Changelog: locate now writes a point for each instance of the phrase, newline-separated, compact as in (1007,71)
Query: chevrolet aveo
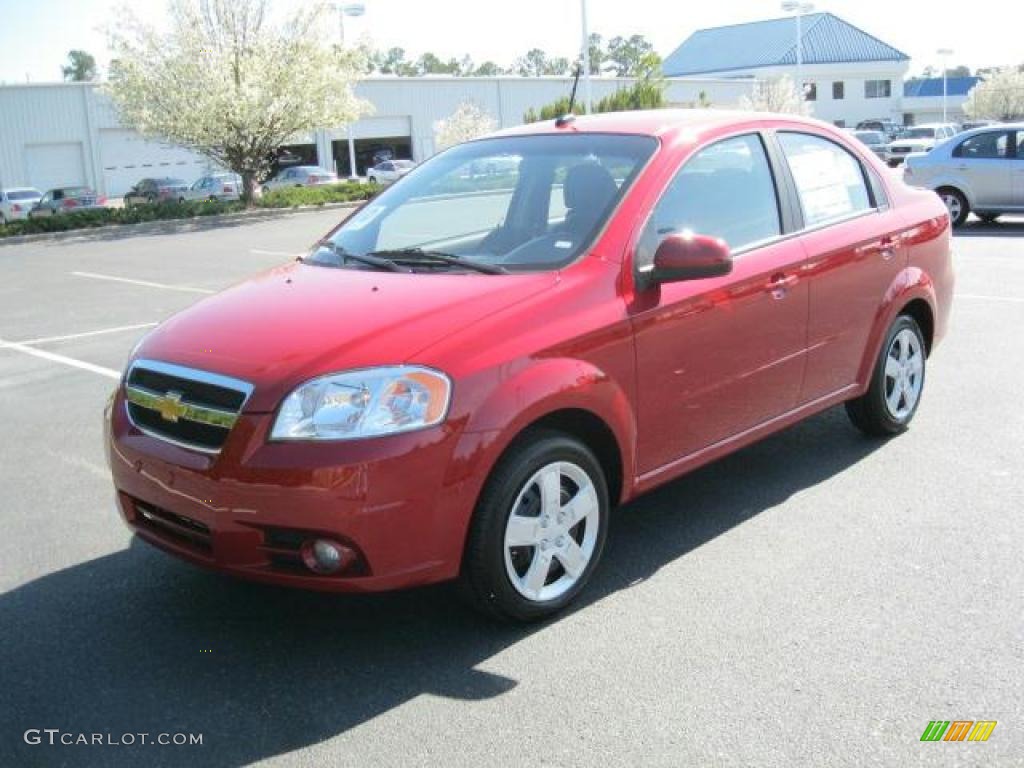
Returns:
(466,375)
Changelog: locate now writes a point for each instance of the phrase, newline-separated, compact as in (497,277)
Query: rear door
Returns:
(852,240)
(983,160)
(719,355)
(1017,170)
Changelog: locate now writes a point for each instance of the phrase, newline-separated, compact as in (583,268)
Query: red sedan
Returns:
(464,377)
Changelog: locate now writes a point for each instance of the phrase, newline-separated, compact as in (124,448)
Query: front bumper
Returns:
(400,502)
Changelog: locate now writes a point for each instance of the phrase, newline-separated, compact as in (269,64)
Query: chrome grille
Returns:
(185,406)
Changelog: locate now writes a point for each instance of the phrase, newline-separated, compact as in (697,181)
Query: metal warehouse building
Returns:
(68,133)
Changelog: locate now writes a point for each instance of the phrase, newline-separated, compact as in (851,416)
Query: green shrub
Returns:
(343,192)
(282,198)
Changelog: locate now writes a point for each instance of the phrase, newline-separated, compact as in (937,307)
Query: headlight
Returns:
(365,403)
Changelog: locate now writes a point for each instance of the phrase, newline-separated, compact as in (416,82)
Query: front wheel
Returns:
(897,382)
(539,529)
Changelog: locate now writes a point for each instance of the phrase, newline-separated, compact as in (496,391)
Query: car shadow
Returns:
(975,227)
(136,642)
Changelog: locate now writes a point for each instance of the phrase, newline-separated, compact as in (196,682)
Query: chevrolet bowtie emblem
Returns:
(170,407)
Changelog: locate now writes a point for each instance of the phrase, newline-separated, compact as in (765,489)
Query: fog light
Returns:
(324,556)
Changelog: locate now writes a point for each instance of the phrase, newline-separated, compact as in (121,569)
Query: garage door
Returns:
(55,165)
(126,158)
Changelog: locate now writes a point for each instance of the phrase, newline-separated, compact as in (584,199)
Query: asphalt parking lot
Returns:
(816,599)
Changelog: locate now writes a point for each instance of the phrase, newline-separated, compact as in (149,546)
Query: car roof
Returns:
(659,122)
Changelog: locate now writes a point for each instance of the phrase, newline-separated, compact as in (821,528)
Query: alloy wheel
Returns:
(904,369)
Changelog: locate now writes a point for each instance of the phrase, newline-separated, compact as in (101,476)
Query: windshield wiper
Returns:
(369,259)
(419,254)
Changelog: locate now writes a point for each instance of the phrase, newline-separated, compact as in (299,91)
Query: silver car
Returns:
(389,171)
(216,186)
(876,141)
(16,202)
(980,170)
(301,176)
(920,138)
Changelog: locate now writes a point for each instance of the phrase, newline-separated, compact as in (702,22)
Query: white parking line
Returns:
(68,337)
(147,283)
(980,297)
(54,358)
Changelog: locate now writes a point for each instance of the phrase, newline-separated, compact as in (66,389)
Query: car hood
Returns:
(299,321)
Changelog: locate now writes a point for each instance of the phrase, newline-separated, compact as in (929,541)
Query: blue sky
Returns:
(35,35)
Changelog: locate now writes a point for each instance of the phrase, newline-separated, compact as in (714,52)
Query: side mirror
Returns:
(687,257)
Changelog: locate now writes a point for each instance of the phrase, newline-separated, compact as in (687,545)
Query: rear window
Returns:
(23,194)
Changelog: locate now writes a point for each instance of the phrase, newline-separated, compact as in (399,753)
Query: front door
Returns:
(719,355)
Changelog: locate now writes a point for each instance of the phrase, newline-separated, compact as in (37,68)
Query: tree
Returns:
(488,69)
(630,57)
(226,83)
(776,94)
(597,52)
(645,93)
(467,122)
(81,67)
(998,97)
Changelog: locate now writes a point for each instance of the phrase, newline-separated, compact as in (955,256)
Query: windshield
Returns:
(919,133)
(507,204)
(869,137)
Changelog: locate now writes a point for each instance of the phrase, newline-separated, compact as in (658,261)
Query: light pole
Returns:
(793,6)
(588,93)
(349,9)
(944,53)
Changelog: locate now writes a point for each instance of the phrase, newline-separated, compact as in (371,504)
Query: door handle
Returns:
(780,284)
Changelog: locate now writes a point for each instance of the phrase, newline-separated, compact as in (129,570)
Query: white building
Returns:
(68,133)
(848,75)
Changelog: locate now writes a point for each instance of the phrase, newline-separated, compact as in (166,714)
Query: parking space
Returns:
(817,598)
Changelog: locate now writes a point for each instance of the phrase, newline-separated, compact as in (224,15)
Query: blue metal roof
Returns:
(932,86)
(827,39)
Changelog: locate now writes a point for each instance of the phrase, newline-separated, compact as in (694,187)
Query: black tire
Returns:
(484,580)
(961,204)
(988,218)
(870,412)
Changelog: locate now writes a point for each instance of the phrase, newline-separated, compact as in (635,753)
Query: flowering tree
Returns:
(467,122)
(228,84)
(998,97)
(776,94)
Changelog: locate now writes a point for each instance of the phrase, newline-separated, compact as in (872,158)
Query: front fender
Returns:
(539,389)
(911,283)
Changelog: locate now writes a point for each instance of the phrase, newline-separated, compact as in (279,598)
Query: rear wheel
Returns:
(956,204)
(539,529)
(896,382)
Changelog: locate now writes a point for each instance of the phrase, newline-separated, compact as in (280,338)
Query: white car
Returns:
(389,171)
(216,186)
(16,202)
(980,170)
(920,138)
(301,176)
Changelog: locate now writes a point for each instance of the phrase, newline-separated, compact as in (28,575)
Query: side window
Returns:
(829,180)
(1020,145)
(982,145)
(725,190)
(58,194)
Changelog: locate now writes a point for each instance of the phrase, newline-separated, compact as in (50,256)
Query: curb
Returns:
(172,225)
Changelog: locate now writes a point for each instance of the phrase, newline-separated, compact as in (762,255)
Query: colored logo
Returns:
(958,730)
(170,406)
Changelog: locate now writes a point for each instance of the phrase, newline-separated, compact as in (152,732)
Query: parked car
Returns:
(980,170)
(890,128)
(15,203)
(215,186)
(970,125)
(67,200)
(150,191)
(301,176)
(389,171)
(429,394)
(875,141)
(920,138)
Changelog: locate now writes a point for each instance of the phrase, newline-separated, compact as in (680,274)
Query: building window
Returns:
(810,92)
(877,89)
(838,90)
